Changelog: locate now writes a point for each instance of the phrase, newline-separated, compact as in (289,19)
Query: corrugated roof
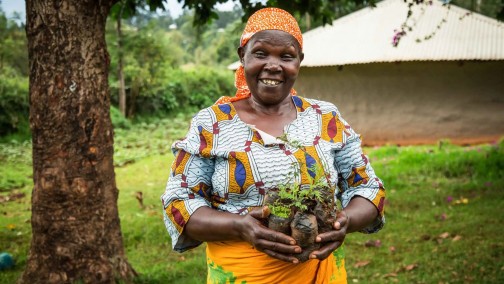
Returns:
(366,36)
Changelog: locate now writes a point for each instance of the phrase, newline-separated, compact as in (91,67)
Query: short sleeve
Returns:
(189,184)
(356,177)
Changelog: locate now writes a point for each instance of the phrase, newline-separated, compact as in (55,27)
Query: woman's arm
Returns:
(207,224)
(361,213)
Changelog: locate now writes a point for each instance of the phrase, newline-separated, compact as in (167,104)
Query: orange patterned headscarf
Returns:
(264,19)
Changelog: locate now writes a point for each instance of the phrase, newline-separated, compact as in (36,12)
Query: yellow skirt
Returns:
(240,263)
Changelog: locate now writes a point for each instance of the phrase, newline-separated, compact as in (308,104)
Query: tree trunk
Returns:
(308,21)
(75,223)
(122,87)
(135,91)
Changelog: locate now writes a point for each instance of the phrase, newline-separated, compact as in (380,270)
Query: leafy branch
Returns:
(410,23)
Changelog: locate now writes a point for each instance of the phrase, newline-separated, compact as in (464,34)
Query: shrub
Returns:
(182,90)
(14,105)
(118,120)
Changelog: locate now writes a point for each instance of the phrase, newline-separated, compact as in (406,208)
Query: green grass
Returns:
(420,183)
(426,190)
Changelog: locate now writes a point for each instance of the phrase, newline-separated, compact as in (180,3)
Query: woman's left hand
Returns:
(333,239)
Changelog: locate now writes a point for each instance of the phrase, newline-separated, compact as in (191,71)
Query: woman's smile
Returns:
(270,82)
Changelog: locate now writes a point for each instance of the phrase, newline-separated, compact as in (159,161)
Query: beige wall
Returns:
(414,102)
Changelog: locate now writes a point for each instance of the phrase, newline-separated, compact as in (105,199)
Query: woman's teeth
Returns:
(270,82)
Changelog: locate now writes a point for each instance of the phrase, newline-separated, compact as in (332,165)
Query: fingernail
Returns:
(318,239)
(292,242)
(313,256)
(297,250)
(295,261)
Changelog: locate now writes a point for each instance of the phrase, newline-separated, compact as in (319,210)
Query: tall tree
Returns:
(75,223)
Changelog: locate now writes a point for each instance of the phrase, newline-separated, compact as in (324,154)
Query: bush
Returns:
(205,86)
(182,90)
(118,120)
(14,105)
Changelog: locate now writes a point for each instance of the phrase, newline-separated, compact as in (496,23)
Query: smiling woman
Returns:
(271,62)
(233,156)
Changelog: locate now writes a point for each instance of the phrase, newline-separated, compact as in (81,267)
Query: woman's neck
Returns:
(284,108)
(269,118)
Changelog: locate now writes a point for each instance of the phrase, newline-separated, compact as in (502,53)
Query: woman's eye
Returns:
(259,54)
(287,57)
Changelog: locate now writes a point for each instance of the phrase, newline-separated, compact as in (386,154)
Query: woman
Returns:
(231,157)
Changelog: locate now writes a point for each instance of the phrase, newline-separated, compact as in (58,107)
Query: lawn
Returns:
(444,212)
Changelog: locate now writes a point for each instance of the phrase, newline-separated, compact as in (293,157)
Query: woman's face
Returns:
(271,61)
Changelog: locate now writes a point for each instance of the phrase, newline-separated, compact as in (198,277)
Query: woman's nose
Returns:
(272,66)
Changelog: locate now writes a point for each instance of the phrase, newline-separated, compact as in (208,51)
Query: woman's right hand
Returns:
(272,243)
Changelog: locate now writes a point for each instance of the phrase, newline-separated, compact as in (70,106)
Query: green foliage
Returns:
(13,52)
(118,120)
(490,8)
(280,210)
(155,82)
(14,105)
(294,195)
(187,90)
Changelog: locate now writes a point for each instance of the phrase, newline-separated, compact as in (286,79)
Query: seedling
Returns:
(303,211)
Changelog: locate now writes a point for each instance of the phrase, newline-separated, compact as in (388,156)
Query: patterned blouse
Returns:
(225,164)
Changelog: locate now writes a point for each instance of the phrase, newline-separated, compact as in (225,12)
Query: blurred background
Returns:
(423,85)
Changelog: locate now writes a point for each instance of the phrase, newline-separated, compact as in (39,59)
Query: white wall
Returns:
(414,102)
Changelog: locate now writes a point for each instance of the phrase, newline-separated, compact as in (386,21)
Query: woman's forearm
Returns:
(361,213)
(207,225)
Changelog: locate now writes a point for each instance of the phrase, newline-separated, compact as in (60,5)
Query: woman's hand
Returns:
(333,239)
(272,243)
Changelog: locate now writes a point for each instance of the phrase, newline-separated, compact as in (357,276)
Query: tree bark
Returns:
(75,222)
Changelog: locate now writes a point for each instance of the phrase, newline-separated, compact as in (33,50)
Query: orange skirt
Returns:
(239,262)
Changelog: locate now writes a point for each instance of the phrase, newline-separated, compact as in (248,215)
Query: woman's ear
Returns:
(301,56)
(241,54)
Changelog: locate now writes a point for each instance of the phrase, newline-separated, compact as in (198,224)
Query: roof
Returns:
(366,36)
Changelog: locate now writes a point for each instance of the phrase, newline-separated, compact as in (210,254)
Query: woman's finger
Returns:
(280,256)
(260,212)
(341,220)
(325,251)
(278,237)
(330,236)
(277,247)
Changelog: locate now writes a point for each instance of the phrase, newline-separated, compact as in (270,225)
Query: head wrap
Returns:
(264,19)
